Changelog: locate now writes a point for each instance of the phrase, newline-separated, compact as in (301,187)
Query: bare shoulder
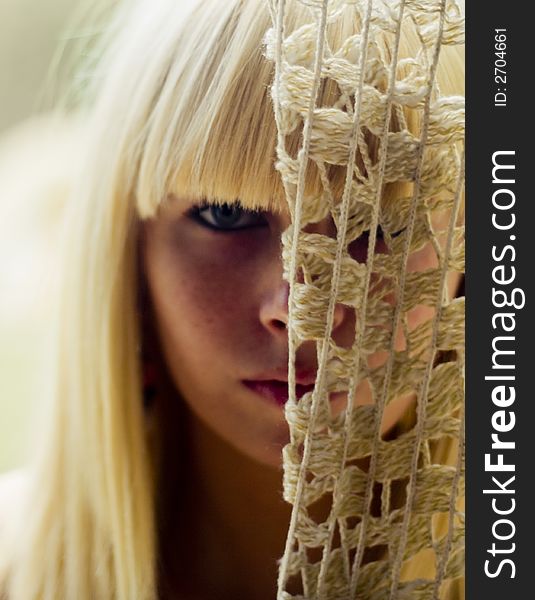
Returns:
(13,485)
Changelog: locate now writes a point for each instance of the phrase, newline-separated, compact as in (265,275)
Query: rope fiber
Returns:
(395,526)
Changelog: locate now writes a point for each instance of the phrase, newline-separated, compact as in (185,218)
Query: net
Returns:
(391,500)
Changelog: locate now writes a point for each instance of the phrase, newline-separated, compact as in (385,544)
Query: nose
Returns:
(274,309)
(274,305)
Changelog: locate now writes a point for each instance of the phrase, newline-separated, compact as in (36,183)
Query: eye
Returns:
(359,247)
(226,217)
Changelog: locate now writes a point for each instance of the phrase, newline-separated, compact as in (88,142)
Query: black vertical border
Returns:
(491,129)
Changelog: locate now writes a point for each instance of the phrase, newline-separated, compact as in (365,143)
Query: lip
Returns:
(302,376)
(276,391)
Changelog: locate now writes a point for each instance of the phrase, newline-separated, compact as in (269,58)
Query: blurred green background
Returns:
(31,31)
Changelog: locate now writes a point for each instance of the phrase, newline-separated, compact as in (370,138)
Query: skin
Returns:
(220,311)
(220,304)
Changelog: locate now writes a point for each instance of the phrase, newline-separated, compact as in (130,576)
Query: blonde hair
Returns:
(182,106)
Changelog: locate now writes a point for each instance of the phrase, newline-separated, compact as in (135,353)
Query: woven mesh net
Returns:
(391,501)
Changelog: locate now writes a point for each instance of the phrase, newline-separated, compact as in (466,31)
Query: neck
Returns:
(236,520)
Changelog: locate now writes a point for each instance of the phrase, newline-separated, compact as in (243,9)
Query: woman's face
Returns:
(215,279)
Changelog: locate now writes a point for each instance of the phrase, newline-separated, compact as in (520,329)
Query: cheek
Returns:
(422,260)
(206,291)
(425,259)
(197,294)
(419,261)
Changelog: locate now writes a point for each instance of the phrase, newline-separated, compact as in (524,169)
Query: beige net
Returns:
(390,524)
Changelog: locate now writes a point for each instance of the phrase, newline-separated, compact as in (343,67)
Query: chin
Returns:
(268,452)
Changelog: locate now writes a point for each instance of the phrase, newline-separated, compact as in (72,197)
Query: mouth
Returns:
(276,391)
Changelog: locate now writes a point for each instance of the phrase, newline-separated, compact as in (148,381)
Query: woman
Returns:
(158,474)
